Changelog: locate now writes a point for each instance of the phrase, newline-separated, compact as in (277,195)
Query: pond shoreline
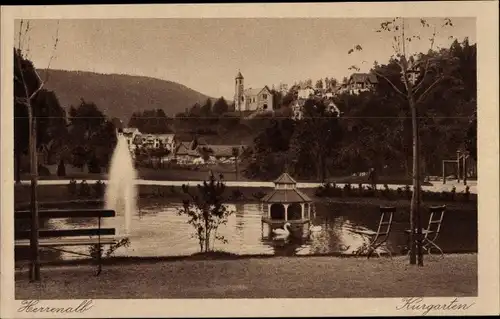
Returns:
(58,194)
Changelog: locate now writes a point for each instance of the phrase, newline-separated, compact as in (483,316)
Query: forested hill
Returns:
(119,95)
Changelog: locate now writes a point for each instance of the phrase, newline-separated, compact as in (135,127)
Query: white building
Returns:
(251,99)
(305,93)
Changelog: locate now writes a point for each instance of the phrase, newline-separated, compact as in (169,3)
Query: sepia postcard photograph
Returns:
(305,159)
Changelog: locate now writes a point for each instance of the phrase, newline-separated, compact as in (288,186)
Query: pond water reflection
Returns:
(158,230)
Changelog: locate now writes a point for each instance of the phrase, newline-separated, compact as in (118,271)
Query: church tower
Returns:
(239,98)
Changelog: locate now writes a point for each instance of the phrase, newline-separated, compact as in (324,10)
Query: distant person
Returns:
(372,176)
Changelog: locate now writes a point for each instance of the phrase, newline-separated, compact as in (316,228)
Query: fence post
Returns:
(458,166)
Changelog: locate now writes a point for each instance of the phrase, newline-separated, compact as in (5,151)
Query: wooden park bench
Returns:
(56,238)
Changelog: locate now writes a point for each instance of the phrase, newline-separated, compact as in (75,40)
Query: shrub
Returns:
(84,189)
(206,212)
(453,193)
(173,191)
(336,191)
(99,189)
(43,171)
(347,189)
(236,194)
(319,191)
(95,250)
(360,189)
(72,188)
(408,192)
(61,169)
(386,192)
(467,193)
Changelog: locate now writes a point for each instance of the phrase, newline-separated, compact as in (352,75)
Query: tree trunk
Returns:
(18,166)
(207,237)
(415,222)
(35,256)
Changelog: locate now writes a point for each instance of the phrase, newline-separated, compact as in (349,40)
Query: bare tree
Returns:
(29,83)
(420,74)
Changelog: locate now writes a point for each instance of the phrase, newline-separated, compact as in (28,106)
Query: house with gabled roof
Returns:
(184,152)
(258,99)
(221,152)
(361,82)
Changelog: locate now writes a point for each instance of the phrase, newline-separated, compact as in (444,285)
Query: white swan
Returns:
(282,232)
(314,229)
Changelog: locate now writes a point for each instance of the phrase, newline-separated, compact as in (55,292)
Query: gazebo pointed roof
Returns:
(285,178)
(283,194)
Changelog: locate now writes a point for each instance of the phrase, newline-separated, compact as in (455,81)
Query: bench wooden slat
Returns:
(65,213)
(54,242)
(25,234)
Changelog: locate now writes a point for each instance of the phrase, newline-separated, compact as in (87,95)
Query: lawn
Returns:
(276,277)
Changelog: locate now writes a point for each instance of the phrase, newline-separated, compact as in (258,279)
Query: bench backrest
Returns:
(59,213)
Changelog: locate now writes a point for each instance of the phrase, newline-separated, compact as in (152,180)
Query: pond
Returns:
(158,230)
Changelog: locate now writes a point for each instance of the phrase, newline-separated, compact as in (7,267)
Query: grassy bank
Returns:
(60,193)
(279,277)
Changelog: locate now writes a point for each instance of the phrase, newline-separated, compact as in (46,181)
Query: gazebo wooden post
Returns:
(302,211)
(286,211)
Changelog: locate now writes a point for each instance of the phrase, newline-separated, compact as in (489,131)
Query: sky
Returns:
(206,54)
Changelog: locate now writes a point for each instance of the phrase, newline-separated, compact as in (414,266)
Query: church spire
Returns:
(239,76)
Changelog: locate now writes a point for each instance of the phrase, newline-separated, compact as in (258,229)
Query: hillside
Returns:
(120,95)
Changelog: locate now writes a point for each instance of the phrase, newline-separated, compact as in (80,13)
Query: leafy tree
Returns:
(92,135)
(220,106)
(151,121)
(319,84)
(49,115)
(206,211)
(316,137)
(414,91)
(471,137)
(277,99)
(205,110)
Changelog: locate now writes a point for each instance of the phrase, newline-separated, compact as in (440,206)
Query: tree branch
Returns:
(422,96)
(390,82)
(419,84)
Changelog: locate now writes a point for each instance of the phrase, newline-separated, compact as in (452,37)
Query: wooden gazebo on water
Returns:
(286,204)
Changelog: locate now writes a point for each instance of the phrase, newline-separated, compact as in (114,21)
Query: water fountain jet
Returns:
(121,192)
